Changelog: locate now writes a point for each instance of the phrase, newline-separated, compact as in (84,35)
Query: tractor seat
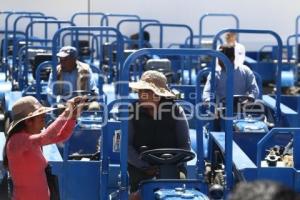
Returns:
(38,59)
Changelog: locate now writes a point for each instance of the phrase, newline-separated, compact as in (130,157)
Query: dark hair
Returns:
(262,189)
(228,50)
(230,34)
(20,126)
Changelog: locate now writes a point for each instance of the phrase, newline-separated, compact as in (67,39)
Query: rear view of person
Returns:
(244,82)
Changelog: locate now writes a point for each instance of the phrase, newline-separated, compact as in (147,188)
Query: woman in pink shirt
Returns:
(23,155)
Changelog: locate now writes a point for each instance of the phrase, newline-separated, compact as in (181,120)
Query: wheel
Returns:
(168,156)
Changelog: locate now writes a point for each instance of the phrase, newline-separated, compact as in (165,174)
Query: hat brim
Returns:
(62,54)
(40,111)
(143,85)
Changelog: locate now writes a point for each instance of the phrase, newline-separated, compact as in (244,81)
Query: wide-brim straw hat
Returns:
(154,81)
(25,108)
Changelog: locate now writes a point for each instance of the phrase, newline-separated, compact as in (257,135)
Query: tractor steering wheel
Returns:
(240,99)
(243,99)
(167,156)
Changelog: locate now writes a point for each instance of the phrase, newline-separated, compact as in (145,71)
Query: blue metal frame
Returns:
(27,34)
(105,19)
(38,85)
(165,25)
(296,135)
(107,156)
(124,91)
(288,43)
(199,37)
(278,65)
(5,53)
(44,42)
(296,38)
(201,22)
(140,23)
(88,14)
(261,50)
(4,14)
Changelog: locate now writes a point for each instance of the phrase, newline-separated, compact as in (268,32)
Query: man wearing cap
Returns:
(156,121)
(244,80)
(239,49)
(72,75)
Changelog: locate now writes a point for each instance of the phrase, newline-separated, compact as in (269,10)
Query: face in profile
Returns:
(36,123)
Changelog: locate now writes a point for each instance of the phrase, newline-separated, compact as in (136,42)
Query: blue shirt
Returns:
(244,83)
(69,85)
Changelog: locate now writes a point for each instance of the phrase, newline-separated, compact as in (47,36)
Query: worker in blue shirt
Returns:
(72,75)
(244,82)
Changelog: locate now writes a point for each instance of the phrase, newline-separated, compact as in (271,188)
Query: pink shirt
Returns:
(27,163)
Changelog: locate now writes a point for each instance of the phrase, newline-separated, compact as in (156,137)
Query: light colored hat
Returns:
(25,108)
(67,51)
(155,81)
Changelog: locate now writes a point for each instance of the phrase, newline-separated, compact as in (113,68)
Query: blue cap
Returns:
(67,51)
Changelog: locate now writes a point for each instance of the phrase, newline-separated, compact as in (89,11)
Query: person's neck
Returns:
(152,110)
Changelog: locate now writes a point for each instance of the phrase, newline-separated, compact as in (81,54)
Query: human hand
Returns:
(152,171)
(74,107)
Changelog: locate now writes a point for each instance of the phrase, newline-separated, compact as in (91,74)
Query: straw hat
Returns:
(155,81)
(25,108)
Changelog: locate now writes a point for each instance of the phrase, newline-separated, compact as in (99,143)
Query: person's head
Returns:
(262,189)
(67,57)
(152,87)
(230,38)
(146,36)
(228,50)
(31,113)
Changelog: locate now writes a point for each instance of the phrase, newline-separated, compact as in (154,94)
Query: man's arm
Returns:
(252,87)
(133,155)
(92,82)
(182,131)
(206,89)
(49,90)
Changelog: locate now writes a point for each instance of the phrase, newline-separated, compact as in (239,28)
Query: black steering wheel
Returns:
(240,99)
(167,156)
(243,99)
(92,156)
